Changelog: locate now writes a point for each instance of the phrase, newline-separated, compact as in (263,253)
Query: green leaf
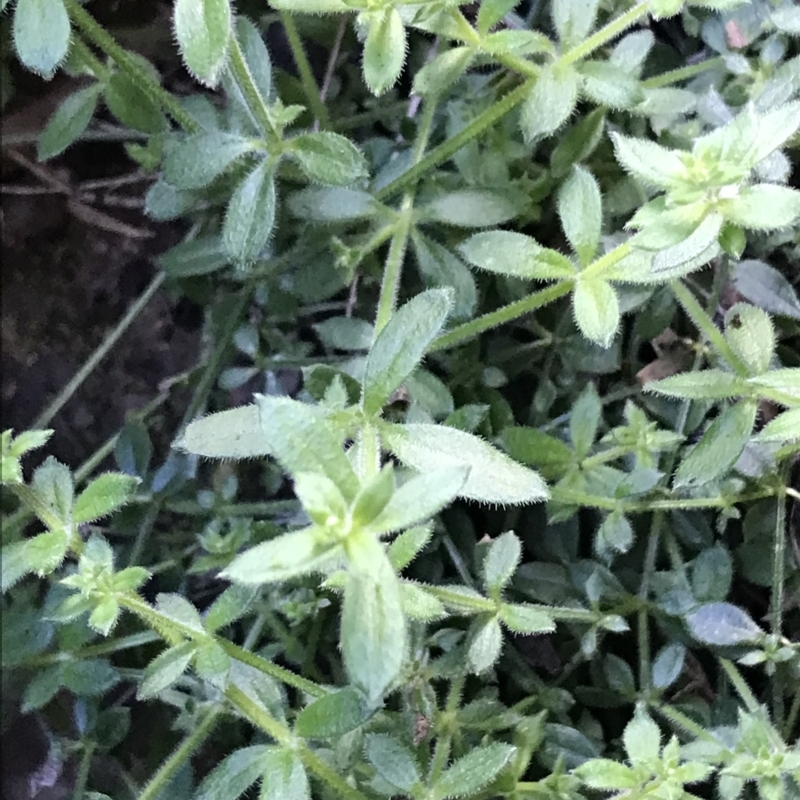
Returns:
(472,772)
(70,120)
(256,56)
(399,347)
(536,449)
(785,382)
(407,546)
(710,384)
(312,6)
(526,620)
(550,103)
(27,441)
(603,773)
(784,428)
(320,497)
(384,50)
(302,441)
(200,256)
(615,534)
(52,484)
(694,245)
(712,574)
(578,142)
(103,495)
(419,604)
(332,204)
(235,775)
(373,627)
(279,559)
(517,42)
(234,603)
(751,336)
(180,610)
(502,560)
(203,29)
(89,677)
(723,625)
(165,669)
(42,689)
(132,106)
(485,643)
(720,447)
(765,287)
(642,738)
(493,476)
(763,207)
(212,663)
(607,84)
(250,215)
(471,208)
(284,777)
(198,159)
(345,333)
(41,33)
(235,433)
(392,760)
(584,421)
(443,71)
(331,716)
(580,210)
(328,158)
(668,665)
(491,12)
(516,255)
(649,162)
(596,308)
(573,20)
(14,564)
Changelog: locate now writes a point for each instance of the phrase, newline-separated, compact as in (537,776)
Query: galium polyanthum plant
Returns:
(546,148)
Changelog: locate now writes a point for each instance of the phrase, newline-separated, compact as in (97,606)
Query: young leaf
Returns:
(41,32)
(198,159)
(606,84)
(491,12)
(405,547)
(165,669)
(235,433)
(443,71)
(320,497)
(605,774)
(250,215)
(332,205)
(526,620)
(52,483)
(212,663)
(235,775)
(331,716)
(419,499)
(279,559)
(256,56)
(485,643)
(696,244)
(284,777)
(328,158)
(493,476)
(302,441)
(584,421)
(399,347)
(596,308)
(71,119)
(384,50)
(536,449)
(784,428)
(550,102)
(501,561)
(393,761)
(573,20)
(751,336)
(580,211)
(203,29)
(418,604)
(472,772)
(642,738)
(471,208)
(649,162)
(720,447)
(373,627)
(103,495)
(764,207)
(785,382)
(517,255)
(710,384)
(723,625)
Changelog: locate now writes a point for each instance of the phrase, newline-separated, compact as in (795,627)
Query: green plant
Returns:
(388,646)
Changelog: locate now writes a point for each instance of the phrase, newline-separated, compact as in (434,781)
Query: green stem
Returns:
(99,70)
(449,148)
(739,683)
(793,716)
(255,102)
(682,722)
(706,326)
(94,650)
(82,778)
(258,716)
(99,354)
(682,73)
(605,34)
(444,738)
(778,589)
(100,37)
(187,747)
(469,330)
(34,502)
(393,269)
(304,68)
